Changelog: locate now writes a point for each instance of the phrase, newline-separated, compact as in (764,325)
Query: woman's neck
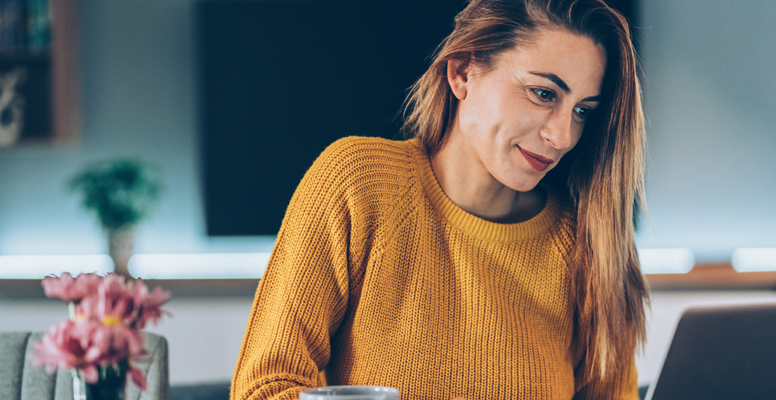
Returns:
(469,185)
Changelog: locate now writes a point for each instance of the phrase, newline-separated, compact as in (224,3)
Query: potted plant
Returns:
(121,193)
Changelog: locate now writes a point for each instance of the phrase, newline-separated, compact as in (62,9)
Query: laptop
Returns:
(722,352)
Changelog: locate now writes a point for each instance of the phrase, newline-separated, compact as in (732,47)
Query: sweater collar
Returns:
(471,224)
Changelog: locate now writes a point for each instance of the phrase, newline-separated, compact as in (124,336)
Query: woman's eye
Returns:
(582,112)
(544,94)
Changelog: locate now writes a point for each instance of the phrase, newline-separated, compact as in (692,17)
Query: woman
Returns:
(469,261)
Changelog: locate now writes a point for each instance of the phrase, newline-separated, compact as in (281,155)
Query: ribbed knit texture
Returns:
(378,277)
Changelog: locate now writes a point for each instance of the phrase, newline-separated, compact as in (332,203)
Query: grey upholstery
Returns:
(20,380)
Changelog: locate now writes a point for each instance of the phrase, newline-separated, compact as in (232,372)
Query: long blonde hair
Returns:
(603,175)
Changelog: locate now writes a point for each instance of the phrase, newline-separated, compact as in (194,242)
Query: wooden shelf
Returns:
(720,276)
(702,277)
(65,74)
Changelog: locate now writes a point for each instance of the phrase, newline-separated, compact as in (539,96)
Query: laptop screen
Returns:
(721,353)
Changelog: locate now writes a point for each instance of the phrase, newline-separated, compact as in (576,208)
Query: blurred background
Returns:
(200,91)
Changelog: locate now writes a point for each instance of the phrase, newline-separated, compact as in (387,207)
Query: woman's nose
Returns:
(557,130)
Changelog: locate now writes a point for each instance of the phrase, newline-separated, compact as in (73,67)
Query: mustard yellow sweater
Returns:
(379,278)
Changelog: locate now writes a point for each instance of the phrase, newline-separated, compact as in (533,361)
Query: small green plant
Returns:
(121,193)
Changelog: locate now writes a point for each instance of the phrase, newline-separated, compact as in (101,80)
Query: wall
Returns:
(710,96)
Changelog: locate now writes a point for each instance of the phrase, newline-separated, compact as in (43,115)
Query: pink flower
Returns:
(85,345)
(111,303)
(68,288)
(105,331)
(107,345)
(61,347)
(148,304)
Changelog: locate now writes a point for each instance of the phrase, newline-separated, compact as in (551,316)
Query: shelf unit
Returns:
(49,84)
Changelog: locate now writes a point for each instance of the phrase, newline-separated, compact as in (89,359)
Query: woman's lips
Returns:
(536,161)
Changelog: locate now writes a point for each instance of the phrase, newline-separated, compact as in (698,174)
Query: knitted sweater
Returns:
(379,278)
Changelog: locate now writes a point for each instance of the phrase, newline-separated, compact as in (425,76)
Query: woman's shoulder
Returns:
(369,148)
(360,158)
(368,164)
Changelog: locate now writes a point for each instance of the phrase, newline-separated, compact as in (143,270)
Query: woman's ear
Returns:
(458,77)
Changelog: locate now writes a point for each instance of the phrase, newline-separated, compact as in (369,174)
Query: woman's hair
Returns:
(603,174)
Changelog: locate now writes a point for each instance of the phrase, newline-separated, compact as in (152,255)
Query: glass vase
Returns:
(110,385)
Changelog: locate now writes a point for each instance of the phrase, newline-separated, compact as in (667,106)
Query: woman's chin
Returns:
(523,185)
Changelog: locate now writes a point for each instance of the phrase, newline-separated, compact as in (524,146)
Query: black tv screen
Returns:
(281,80)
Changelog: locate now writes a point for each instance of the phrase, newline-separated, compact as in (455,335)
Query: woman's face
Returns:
(520,117)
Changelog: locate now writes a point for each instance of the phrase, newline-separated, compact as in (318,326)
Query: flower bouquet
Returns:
(102,338)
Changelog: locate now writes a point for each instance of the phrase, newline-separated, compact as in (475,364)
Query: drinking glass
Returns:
(350,393)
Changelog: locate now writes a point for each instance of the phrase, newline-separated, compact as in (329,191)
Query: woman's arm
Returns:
(302,297)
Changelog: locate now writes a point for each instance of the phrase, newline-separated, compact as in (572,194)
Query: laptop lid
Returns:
(726,352)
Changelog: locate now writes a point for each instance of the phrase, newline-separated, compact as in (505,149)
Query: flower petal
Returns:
(137,377)
(91,374)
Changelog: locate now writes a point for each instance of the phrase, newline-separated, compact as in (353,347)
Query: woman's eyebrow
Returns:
(556,80)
